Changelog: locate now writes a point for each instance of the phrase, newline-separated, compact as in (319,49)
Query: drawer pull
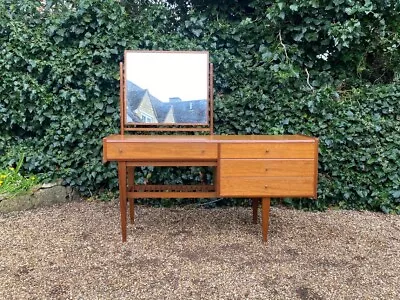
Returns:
(266,169)
(265,186)
(267,151)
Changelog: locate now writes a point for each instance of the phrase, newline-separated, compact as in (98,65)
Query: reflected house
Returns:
(142,107)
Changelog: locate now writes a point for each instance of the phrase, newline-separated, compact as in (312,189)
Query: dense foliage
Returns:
(330,69)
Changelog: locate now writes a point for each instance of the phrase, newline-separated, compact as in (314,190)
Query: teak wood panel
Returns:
(267,186)
(267,167)
(268,150)
(162,151)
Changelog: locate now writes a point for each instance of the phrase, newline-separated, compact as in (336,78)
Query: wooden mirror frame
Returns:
(188,127)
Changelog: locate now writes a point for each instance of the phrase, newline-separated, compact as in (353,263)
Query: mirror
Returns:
(169,88)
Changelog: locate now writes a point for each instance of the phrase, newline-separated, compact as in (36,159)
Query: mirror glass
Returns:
(166,87)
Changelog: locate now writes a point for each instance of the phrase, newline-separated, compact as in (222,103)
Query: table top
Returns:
(117,138)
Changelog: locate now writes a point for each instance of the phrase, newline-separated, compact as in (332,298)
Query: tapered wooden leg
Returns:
(255,210)
(122,197)
(131,183)
(132,210)
(266,202)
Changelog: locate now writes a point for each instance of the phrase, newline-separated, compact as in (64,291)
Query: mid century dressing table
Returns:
(173,91)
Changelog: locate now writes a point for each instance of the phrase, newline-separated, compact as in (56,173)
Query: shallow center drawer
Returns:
(268,150)
(163,151)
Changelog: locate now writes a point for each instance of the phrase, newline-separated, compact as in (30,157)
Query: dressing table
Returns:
(245,166)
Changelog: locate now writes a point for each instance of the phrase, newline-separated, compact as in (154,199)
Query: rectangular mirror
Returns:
(168,88)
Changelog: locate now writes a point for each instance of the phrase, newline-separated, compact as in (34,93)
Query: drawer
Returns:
(267,186)
(163,151)
(268,150)
(267,167)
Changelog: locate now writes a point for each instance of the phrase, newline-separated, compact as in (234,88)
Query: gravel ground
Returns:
(74,251)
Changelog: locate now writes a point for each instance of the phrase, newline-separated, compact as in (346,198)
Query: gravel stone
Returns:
(74,251)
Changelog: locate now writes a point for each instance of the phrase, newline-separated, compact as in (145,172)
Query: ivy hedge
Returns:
(330,71)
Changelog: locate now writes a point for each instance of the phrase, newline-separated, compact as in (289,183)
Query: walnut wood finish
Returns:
(258,167)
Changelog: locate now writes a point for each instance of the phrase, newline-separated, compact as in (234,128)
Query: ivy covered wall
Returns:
(330,69)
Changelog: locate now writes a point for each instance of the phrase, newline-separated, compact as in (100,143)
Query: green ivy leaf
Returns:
(99,105)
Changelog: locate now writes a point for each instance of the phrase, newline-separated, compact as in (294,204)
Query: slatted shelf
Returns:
(173,191)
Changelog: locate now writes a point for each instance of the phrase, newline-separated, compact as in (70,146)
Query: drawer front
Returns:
(268,150)
(267,186)
(267,167)
(163,151)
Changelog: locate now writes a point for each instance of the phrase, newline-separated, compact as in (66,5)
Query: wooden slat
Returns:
(172,188)
(172,194)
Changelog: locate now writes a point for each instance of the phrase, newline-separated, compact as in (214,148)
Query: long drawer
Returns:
(163,151)
(267,167)
(268,150)
(267,186)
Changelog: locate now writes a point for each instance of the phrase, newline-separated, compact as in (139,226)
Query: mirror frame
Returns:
(137,126)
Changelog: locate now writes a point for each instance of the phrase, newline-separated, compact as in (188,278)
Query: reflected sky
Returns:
(169,74)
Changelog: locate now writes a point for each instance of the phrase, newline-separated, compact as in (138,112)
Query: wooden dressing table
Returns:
(253,166)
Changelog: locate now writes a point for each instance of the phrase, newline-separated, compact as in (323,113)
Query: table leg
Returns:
(131,183)
(255,203)
(122,196)
(266,202)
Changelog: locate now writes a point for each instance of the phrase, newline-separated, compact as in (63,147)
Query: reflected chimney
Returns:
(175,99)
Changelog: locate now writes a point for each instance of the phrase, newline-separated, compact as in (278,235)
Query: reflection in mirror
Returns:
(166,87)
